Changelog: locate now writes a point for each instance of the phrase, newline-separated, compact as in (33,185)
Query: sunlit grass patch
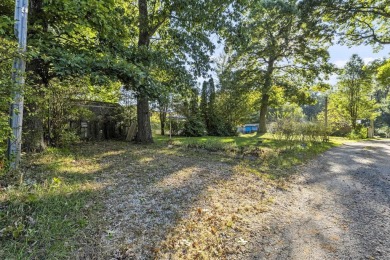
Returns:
(262,155)
(44,214)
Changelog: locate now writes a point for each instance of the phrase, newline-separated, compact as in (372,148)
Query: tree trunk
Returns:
(263,114)
(163,117)
(144,134)
(33,135)
(265,97)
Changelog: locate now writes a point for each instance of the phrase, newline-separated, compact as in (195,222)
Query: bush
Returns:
(5,132)
(221,128)
(384,131)
(67,138)
(289,130)
(177,127)
(194,127)
(358,133)
(212,145)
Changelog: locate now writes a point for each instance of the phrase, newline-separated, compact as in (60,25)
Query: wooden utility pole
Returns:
(19,68)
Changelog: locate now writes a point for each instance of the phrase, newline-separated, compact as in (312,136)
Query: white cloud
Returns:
(368,59)
(340,63)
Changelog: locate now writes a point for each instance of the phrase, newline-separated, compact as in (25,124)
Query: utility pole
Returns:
(19,68)
(326,118)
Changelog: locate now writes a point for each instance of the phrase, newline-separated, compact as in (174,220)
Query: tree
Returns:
(68,40)
(355,21)
(8,49)
(381,71)
(355,85)
(236,103)
(163,105)
(214,123)
(194,125)
(275,43)
(204,104)
(183,28)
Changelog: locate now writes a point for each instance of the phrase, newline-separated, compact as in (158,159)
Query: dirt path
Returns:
(170,204)
(338,209)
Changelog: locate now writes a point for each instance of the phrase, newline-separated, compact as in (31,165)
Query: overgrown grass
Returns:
(54,205)
(263,155)
(42,215)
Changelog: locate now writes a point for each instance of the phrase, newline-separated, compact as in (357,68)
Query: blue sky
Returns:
(339,55)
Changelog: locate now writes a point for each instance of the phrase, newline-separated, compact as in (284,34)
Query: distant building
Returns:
(102,121)
(248,128)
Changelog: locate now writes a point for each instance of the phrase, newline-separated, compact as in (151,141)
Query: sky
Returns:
(340,55)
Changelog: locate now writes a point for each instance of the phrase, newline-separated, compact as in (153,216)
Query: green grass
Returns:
(247,140)
(263,155)
(43,217)
(243,140)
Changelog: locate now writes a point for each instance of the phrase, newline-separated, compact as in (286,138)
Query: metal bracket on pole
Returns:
(19,67)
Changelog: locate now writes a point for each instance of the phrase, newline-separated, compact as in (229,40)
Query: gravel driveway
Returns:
(339,208)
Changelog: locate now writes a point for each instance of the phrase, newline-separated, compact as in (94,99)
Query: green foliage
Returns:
(212,145)
(194,126)
(356,21)
(358,133)
(384,131)
(289,124)
(215,117)
(235,104)
(290,130)
(275,43)
(355,87)
(67,138)
(7,54)
(204,100)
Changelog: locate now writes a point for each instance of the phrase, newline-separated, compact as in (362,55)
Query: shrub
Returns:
(212,145)
(384,131)
(358,133)
(68,137)
(289,130)
(194,127)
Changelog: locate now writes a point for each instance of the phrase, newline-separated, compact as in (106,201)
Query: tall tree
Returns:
(214,122)
(177,33)
(355,85)
(237,102)
(356,21)
(67,40)
(203,104)
(194,125)
(275,43)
